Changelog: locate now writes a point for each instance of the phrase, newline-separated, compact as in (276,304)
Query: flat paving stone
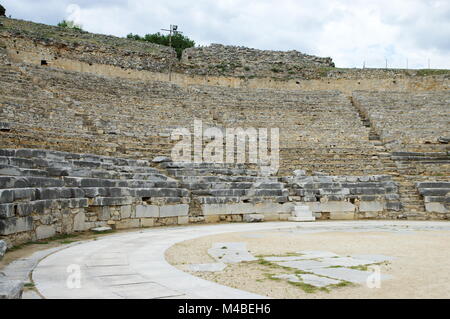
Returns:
(285,258)
(318,281)
(374,258)
(304,265)
(313,254)
(149,290)
(210,267)
(346,261)
(350,275)
(234,252)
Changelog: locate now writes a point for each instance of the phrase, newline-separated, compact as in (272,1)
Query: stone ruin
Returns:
(78,135)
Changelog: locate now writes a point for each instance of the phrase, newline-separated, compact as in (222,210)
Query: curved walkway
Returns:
(132,265)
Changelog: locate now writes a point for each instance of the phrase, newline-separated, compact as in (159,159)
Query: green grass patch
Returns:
(428,72)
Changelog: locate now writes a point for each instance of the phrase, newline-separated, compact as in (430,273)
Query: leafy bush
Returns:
(179,41)
(69,25)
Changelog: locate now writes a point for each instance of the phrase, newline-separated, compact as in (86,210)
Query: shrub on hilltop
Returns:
(66,24)
(179,41)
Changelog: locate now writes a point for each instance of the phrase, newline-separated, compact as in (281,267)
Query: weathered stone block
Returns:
(183,220)
(79,222)
(145,211)
(11,289)
(147,222)
(336,207)
(6,210)
(174,210)
(45,231)
(15,225)
(253,218)
(125,211)
(436,208)
(371,206)
(342,215)
(127,223)
(3,248)
(6,196)
(228,209)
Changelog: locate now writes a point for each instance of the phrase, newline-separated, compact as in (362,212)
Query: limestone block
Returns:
(79,222)
(212,219)
(271,217)
(6,196)
(183,220)
(174,210)
(145,211)
(3,248)
(11,289)
(301,213)
(101,229)
(253,218)
(125,211)
(127,223)
(371,206)
(284,216)
(45,231)
(394,206)
(270,207)
(228,209)
(342,215)
(147,222)
(436,208)
(333,207)
(15,225)
(6,210)
(104,213)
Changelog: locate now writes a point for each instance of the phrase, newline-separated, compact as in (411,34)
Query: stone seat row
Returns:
(436,196)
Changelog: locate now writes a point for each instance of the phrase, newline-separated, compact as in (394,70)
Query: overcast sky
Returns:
(349,31)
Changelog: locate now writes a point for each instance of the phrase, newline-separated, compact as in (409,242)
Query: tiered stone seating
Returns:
(402,119)
(436,196)
(47,192)
(414,128)
(230,191)
(319,131)
(346,197)
(68,111)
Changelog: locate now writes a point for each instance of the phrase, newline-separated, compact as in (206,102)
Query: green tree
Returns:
(179,41)
(69,25)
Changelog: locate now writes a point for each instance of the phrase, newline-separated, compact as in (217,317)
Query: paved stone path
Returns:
(132,265)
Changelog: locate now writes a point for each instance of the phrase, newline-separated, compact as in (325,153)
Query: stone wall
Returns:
(47,44)
(222,59)
(44,193)
(214,65)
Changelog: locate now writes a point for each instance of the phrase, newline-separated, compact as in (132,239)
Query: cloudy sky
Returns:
(349,31)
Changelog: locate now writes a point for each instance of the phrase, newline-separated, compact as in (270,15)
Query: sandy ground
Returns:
(421,268)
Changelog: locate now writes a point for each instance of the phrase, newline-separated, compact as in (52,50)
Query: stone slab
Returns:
(101,229)
(304,265)
(318,281)
(234,252)
(174,210)
(350,275)
(346,261)
(253,218)
(11,289)
(144,211)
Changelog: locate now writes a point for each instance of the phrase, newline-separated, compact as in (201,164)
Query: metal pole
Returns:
(173,29)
